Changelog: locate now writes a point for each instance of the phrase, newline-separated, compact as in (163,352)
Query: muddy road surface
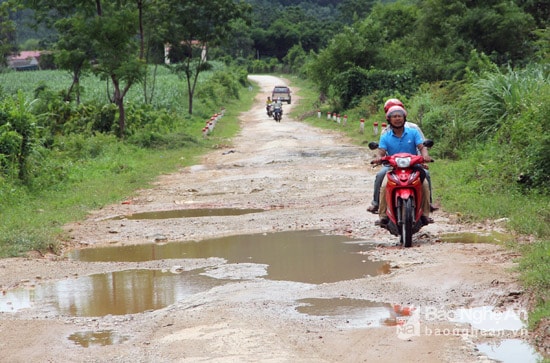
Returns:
(262,252)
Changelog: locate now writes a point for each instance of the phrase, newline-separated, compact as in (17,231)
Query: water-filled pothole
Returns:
(100,338)
(510,351)
(115,293)
(190,213)
(301,256)
(502,331)
(470,237)
(352,313)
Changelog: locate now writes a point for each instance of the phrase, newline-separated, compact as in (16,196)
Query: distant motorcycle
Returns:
(277,114)
(403,194)
(269,110)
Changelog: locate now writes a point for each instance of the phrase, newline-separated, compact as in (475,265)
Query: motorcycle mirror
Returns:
(373,145)
(428,143)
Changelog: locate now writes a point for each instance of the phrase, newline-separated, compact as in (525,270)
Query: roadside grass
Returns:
(535,274)
(471,199)
(33,221)
(525,214)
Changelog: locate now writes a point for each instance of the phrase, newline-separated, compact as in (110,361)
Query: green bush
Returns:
(526,141)
(219,87)
(497,97)
(357,82)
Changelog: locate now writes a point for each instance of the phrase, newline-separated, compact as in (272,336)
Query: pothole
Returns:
(352,313)
(97,338)
(113,293)
(190,213)
(510,351)
(300,256)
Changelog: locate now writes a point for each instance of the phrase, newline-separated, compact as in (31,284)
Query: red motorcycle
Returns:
(403,194)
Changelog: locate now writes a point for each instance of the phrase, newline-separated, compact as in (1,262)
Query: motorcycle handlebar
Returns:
(383,162)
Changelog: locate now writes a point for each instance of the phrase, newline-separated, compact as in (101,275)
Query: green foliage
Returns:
(30,44)
(276,29)
(68,173)
(527,131)
(7,32)
(259,66)
(434,109)
(432,40)
(356,82)
(348,49)
(535,268)
(24,240)
(82,147)
(542,45)
(508,111)
(196,26)
(295,58)
(222,85)
(18,131)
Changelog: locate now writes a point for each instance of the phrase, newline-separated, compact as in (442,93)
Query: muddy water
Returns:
(302,256)
(352,313)
(115,293)
(100,338)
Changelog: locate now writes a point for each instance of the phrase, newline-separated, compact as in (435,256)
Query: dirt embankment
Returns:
(304,179)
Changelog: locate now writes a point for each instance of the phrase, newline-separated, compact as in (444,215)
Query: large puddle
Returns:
(115,293)
(302,256)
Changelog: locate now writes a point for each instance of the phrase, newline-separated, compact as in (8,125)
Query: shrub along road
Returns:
(303,179)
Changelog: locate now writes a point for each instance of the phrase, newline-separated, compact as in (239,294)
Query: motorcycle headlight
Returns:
(403,162)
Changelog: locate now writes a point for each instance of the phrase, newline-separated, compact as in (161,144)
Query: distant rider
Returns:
(278,106)
(268,106)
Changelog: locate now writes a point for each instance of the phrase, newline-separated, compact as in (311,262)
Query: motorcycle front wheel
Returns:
(407,219)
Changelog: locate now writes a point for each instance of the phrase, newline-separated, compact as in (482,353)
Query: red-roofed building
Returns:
(27,60)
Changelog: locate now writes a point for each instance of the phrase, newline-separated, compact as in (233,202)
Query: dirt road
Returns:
(302,179)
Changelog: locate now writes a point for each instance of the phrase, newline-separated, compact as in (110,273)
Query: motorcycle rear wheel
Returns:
(407,219)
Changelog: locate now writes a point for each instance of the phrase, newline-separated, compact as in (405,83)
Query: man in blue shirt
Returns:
(373,208)
(398,140)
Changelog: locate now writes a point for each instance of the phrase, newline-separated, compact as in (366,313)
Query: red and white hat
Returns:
(395,110)
(392,102)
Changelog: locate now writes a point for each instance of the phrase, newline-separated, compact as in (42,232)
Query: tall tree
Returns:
(117,50)
(102,34)
(192,27)
(74,51)
(7,32)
